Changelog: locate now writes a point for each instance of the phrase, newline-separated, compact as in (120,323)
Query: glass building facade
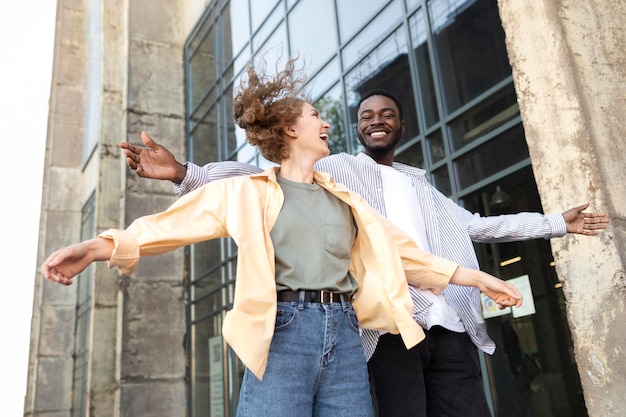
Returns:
(447,62)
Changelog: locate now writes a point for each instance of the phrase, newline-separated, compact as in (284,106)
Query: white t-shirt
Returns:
(404,211)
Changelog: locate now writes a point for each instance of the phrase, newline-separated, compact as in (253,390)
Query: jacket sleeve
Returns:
(198,216)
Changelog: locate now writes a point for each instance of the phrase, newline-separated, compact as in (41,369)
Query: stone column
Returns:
(50,364)
(569,60)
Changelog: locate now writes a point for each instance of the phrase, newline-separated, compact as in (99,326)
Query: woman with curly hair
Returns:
(313,257)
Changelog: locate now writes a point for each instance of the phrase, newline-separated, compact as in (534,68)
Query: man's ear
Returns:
(289,131)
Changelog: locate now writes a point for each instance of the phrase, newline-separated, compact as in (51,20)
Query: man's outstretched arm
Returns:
(155,161)
(581,222)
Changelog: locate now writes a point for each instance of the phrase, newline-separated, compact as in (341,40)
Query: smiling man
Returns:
(440,376)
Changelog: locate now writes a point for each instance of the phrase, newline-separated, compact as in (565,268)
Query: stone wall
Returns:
(569,61)
(136,358)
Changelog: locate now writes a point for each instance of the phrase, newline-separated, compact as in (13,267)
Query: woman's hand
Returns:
(66,263)
(501,292)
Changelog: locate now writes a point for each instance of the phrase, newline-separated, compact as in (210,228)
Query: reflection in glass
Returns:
(492,157)
(436,148)
(353,14)
(470,48)
(419,31)
(273,51)
(202,138)
(484,118)
(236,28)
(392,73)
(259,12)
(239,64)
(231,141)
(327,76)
(441,180)
(410,4)
(209,297)
(201,71)
(359,48)
(266,31)
(331,110)
(412,155)
(309,36)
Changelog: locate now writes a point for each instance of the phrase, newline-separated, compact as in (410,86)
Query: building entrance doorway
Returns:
(533,372)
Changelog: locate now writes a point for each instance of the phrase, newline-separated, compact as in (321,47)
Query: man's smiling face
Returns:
(379,127)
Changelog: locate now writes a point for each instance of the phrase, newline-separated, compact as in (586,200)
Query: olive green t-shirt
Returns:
(313,238)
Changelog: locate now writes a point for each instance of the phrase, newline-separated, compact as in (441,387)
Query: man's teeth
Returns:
(378,134)
(324,136)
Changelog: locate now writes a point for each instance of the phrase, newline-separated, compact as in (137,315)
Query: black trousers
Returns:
(440,377)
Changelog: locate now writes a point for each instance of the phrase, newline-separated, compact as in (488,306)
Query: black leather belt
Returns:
(310,296)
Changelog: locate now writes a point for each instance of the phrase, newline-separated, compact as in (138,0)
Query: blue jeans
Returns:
(440,377)
(316,366)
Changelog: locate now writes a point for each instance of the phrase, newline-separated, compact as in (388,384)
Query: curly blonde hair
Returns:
(263,105)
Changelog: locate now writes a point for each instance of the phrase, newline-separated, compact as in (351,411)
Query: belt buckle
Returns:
(326,297)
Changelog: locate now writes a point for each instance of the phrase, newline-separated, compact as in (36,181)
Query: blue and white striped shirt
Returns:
(450,229)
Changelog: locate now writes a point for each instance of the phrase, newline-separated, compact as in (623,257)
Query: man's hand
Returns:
(154,161)
(590,224)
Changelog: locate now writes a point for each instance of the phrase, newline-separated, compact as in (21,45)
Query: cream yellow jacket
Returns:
(245,208)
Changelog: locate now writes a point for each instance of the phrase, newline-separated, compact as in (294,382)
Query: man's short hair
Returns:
(381,92)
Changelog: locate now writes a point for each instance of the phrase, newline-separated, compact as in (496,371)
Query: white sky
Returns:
(26,42)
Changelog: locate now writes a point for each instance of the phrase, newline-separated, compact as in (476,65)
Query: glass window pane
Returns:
(236,27)
(200,32)
(412,155)
(328,76)
(360,46)
(260,10)
(273,52)
(353,14)
(494,156)
(470,48)
(247,153)
(386,67)
(201,71)
(483,118)
(227,125)
(202,147)
(267,29)
(441,180)
(436,149)
(410,4)
(239,64)
(331,110)
(419,37)
(312,17)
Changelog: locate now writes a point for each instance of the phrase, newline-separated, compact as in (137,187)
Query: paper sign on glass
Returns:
(522,283)
(490,308)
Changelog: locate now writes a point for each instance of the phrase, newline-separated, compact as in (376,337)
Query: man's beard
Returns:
(379,150)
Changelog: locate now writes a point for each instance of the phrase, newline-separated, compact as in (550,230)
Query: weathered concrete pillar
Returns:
(569,66)
(54,307)
(117,70)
